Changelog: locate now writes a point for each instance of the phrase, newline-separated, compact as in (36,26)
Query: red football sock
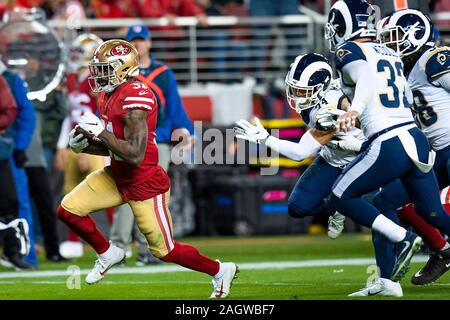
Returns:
(430,235)
(187,256)
(73,236)
(84,227)
(447,207)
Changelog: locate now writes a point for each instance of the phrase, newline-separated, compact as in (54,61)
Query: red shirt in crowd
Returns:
(8,107)
(159,8)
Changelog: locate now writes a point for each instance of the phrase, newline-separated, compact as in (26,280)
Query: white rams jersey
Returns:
(334,157)
(388,104)
(432,102)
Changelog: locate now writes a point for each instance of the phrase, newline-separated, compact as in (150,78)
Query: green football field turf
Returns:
(286,273)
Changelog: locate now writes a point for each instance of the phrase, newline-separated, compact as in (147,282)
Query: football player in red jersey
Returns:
(127,131)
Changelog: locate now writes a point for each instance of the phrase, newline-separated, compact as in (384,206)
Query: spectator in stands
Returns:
(10,225)
(171,9)
(210,8)
(71,10)
(171,115)
(4,6)
(24,128)
(212,45)
(390,6)
(441,6)
(224,50)
(273,8)
(108,9)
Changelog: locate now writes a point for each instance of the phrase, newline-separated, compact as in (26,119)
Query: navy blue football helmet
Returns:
(406,31)
(307,81)
(348,20)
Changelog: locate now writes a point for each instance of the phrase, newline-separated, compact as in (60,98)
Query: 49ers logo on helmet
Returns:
(120,50)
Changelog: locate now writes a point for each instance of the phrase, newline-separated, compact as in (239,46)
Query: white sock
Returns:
(221,270)
(387,282)
(445,247)
(389,229)
(107,254)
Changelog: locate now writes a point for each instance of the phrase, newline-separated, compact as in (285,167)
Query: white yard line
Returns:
(172,268)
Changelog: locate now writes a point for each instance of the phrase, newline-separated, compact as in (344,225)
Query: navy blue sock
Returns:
(384,254)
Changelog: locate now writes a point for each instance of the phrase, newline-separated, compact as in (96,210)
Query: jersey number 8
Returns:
(423,113)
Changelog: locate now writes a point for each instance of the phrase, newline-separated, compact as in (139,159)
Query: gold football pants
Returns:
(72,174)
(98,192)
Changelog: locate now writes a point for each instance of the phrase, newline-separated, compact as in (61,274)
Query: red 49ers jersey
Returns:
(80,97)
(148,179)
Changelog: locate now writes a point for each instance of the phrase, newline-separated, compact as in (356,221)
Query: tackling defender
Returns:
(310,91)
(126,129)
(409,33)
(397,148)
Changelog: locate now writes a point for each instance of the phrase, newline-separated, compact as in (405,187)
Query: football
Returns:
(93,140)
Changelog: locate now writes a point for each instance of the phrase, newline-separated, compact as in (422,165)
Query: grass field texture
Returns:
(272,267)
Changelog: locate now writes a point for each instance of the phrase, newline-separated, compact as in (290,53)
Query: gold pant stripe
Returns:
(163,221)
(166,209)
(152,222)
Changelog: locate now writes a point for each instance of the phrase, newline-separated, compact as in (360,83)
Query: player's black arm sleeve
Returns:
(132,149)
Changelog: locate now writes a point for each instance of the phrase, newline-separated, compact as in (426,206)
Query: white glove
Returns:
(247,131)
(77,142)
(91,123)
(326,118)
(345,143)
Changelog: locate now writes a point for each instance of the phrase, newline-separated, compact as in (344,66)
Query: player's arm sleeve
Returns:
(63,140)
(438,65)
(351,62)
(347,53)
(26,116)
(133,101)
(360,74)
(306,147)
(444,81)
(175,106)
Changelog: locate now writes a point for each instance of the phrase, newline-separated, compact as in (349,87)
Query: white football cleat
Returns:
(335,225)
(382,287)
(222,284)
(105,261)
(71,249)
(128,252)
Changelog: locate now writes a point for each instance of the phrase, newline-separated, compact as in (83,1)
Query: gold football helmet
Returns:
(113,63)
(82,50)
